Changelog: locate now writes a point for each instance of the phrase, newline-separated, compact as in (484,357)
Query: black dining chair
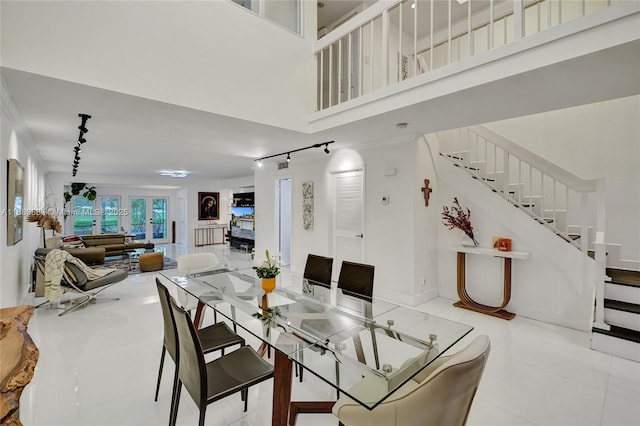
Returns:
(356,279)
(318,269)
(207,382)
(215,337)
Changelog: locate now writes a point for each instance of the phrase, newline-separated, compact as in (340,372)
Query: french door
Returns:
(149,219)
(108,215)
(100,216)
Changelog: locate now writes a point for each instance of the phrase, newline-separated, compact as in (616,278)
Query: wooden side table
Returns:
(466,301)
(18,359)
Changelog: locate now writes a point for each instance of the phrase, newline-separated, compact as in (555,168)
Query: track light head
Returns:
(83,129)
(77,149)
(316,145)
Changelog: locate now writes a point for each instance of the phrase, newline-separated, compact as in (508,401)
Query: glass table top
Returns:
(365,347)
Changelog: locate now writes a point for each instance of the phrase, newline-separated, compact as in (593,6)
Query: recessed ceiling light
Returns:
(174,173)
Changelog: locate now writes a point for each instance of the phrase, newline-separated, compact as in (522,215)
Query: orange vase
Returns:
(268,284)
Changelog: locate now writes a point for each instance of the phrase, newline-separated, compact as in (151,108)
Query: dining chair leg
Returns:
(246,399)
(337,380)
(203,411)
(299,368)
(175,400)
(164,350)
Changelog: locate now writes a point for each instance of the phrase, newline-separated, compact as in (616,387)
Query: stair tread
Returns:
(621,276)
(621,333)
(622,306)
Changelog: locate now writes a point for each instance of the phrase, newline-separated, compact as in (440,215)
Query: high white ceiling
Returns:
(136,137)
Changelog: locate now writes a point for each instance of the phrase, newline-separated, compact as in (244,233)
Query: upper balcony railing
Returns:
(396,40)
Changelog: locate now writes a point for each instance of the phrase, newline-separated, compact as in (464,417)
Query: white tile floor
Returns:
(98,366)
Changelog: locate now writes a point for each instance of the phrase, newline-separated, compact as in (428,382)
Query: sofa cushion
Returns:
(113,247)
(90,241)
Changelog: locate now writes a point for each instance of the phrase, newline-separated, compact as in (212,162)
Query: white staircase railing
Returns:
(559,200)
(395,40)
(571,207)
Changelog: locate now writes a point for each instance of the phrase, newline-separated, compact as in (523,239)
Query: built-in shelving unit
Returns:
(242,235)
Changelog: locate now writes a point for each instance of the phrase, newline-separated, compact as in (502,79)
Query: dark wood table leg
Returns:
(467,302)
(281,389)
(308,407)
(197,320)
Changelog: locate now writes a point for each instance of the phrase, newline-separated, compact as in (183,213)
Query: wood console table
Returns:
(210,235)
(466,301)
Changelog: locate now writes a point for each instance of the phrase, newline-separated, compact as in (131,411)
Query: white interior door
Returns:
(348,218)
(181,228)
(284,221)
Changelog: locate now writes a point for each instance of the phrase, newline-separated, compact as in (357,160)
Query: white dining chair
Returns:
(440,395)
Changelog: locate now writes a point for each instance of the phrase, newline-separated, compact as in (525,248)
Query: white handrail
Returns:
(576,183)
(546,192)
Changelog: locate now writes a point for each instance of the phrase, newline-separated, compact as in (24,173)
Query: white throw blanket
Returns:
(54,270)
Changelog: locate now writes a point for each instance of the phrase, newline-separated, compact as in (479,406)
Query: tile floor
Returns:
(98,366)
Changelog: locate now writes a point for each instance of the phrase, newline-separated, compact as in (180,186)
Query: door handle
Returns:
(360,235)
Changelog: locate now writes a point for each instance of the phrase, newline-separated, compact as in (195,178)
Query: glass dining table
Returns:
(365,348)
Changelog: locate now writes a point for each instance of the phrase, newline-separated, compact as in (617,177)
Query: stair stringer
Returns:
(555,285)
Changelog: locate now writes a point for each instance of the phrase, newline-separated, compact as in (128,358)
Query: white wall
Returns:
(593,141)
(554,285)
(16,260)
(390,231)
(410,247)
(208,55)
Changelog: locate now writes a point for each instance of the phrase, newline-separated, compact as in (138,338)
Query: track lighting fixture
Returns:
(81,140)
(317,145)
(83,125)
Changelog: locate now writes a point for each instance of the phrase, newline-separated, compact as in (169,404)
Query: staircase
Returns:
(570,207)
(622,314)
(558,200)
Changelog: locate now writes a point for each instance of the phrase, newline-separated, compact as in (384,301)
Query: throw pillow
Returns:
(74,275)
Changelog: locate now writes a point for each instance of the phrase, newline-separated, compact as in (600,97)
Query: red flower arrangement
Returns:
(458,217)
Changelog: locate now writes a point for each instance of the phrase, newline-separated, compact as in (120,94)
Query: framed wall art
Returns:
(307,205)
(15,197)
(208,205)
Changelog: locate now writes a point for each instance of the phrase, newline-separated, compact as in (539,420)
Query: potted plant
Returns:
(268,271)
(458,217)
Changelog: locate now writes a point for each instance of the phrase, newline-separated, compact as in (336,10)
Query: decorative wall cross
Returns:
(427,191)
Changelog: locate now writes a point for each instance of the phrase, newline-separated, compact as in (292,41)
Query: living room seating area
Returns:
(92,249)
